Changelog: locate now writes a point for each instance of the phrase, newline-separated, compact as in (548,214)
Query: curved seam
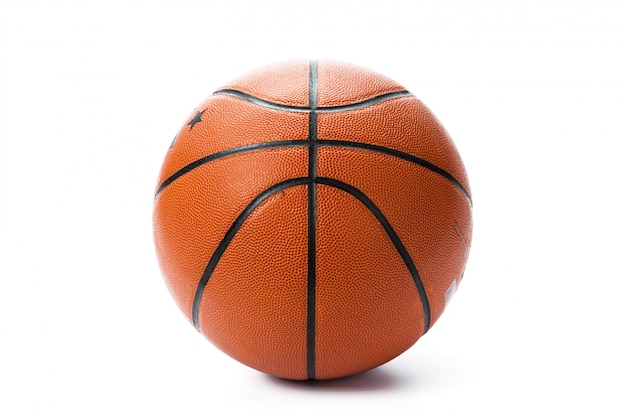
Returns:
(228,152)
(260,102)
(391,233)
(230,234)
(402,155)
(365,103)
(304,109)
(324,142)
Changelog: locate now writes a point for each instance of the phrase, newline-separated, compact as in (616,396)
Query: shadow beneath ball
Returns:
(378,379)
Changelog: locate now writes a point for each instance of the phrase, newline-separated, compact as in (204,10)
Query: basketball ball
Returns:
(312,219)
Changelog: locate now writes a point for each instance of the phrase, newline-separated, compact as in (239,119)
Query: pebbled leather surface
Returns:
(402,123)
(229,123)
(423,208)
(259,289)
(368,309)
(367,306)
(283,83)
(338,86)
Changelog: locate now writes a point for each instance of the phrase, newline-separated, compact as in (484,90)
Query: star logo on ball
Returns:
(196,119)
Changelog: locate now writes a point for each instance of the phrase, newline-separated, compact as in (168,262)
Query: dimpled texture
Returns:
(312,237)
(340,88)
(194,213)
(277,83)
(259,289)
(228,123)
(404,124)
(365,295)
(414,206)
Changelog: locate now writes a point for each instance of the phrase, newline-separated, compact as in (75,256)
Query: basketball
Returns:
(312,219)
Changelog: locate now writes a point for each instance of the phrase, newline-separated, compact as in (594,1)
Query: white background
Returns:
(92,93)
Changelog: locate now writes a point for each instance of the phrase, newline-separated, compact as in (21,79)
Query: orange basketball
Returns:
(312,218)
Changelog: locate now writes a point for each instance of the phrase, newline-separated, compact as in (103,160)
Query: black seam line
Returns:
(230,234)
(260,102)
(311,220)
(228,152)
(302,109)
(365,103)
(395,239)
(305,142)
(313,85)
(402,155)
(371,206)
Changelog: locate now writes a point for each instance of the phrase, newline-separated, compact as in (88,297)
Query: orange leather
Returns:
(278,83)
(193,213)
(256,299)
(338,86)
(368,309)
(229,123)
(312,242)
